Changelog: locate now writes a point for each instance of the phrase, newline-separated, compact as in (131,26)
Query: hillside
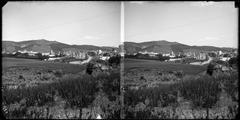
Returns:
(43,45)
(163,46)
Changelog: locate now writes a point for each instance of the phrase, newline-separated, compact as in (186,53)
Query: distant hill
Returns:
(43,45)
(163,46)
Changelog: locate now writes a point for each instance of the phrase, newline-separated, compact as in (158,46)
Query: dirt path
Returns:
(202,63)
(82,62)
(208,61)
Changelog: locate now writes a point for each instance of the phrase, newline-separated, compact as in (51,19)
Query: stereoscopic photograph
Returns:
(119,60)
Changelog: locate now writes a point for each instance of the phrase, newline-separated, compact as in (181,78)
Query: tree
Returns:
(44,57)
(39,55)
(226,55)
(162,58)
(212,54)
(92,53)
(180,56)
(159,55)
(106,54)
(90,67)
(146,55)
(17,54)
(138,55)
(210,68)
(114,60)
(25,55)
(233,61)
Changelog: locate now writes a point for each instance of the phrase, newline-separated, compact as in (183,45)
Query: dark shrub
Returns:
(233,61)
(20,77)
(210,68)
(58,73)
(164,94)
(203,92)
(91,53)
(162,58)
(179,74)
(114,60)
(230,84)
(90,67)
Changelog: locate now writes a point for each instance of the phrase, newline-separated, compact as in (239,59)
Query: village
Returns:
(67,56)
(197,57)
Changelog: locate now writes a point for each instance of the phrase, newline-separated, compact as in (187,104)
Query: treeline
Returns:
(26,55)
(147,56)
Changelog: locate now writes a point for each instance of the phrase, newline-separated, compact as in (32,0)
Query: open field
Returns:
(29,72)
(20,62)
(150,72)
(130,64)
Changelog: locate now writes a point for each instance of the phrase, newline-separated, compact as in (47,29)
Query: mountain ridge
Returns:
(43,45)
(163,46)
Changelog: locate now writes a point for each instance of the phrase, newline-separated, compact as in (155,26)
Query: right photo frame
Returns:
(180,60)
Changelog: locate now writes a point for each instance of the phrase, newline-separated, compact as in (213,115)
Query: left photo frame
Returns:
(61,60)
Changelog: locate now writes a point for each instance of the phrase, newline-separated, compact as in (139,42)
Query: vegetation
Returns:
(114,60)
(77,92)
(233,62)
(91,53)
(90,67)
(190,60)
(210,68)
(69,93)
(212,54)
(37,64)
(130,64)
(26,55)
(148,57)
(203,92)
(163,58)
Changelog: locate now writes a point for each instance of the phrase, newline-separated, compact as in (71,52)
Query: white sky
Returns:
(98,23)
(93,23)
(191,23)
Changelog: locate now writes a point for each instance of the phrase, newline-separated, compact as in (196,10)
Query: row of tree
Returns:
(26,55)
(147,56)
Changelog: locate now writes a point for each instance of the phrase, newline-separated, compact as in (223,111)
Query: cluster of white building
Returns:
(32,53)
(199,55)
(226,56)
(152,54)
(104,55)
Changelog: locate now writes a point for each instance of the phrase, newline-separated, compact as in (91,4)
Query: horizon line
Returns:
(120,43)
(184,44)
(59,42)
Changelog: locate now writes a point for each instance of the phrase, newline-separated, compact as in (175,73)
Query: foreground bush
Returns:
(76,92)
(229,83)
(202,92)
(163,95)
